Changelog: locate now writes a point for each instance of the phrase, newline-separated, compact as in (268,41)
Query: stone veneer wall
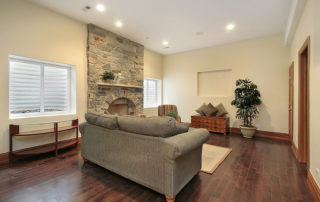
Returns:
(108,51)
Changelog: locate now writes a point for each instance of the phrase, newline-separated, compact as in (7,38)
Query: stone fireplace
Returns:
(107,51)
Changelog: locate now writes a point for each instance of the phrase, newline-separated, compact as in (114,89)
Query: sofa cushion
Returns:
(210,110)
(107,120)
(158,126)
(200,109)
(221,110)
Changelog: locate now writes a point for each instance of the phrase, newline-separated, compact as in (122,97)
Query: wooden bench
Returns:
(211,123)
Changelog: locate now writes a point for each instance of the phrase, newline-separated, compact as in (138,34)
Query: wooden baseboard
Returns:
(313,186)
(266,134)
(294,149)
(235,130)
(4,157)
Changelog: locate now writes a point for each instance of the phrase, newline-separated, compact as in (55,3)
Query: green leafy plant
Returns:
(108,75)
(247,98)
(173,115)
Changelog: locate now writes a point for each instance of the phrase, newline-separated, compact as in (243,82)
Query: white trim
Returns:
(36,115)
(42,88)
(296,12)
(151,107)
(71,87)
(32,61)
(219,70)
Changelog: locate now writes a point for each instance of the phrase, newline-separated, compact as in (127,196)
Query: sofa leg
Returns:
(85,160)
(170,199)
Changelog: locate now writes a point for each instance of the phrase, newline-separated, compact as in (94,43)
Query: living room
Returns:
(129,58)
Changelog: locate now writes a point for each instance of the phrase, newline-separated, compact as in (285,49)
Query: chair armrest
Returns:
(183,143)
(179,119)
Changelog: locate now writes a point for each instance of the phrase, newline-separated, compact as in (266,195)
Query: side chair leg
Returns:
(85,160)
(169,199)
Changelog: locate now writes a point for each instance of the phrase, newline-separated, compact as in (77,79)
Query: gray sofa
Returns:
(154,152)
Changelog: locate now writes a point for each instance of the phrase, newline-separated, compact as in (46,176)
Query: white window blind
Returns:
(152,92)
(25,87)
(56,89)
(40,88)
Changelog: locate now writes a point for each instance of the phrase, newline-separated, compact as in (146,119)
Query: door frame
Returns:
(291,100)
(304,105)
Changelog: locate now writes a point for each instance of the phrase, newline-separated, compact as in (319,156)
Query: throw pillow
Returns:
(221,110)
(200,109)
(210,110)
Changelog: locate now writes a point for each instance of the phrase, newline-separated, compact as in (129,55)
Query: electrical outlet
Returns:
(318,172)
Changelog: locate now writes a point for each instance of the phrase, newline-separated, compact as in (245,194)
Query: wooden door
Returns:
(303,105)
(291,80)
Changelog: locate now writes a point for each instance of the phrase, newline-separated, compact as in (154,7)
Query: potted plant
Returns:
(247,98)
(107,76)
(173,115)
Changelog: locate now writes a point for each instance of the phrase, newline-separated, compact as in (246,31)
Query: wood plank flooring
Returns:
(256,170)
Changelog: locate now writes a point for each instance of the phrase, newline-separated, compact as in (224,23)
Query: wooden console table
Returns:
(211,123)
(56,146)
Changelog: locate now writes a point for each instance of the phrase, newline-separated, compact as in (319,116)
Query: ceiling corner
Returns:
(296,11)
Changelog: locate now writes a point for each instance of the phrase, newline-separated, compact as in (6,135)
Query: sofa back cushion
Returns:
(106,120)
(157,126)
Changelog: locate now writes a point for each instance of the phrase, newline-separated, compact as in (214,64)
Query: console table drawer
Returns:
(213,124)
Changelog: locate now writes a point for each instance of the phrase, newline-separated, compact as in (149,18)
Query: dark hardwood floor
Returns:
(256,170)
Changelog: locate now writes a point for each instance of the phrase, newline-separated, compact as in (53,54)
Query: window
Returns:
(152,92)
(39,88)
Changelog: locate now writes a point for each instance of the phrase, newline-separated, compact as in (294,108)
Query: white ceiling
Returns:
(150,22)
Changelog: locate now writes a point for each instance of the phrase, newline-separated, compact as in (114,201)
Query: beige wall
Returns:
(29,30)
(309,25)
(152,64)
(152,69)
(263,60)
(32,31)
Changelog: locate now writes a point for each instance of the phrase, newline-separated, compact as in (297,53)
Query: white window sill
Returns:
(24,116)
(150,107)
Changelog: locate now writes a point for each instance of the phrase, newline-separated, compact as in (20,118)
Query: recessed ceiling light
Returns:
(119,23)
(100,7)
(165,43)
(230,27)
(86,8)
(199,33)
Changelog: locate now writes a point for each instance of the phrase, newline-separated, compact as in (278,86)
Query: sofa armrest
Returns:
(182,128)
(81,127)
(183,143)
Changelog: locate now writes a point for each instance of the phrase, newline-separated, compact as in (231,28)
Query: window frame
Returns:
(159,92)
(71,88)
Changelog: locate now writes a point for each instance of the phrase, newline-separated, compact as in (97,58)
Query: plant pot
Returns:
(248,132)
(109,81)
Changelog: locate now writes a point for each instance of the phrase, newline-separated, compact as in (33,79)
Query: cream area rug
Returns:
(212,157)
